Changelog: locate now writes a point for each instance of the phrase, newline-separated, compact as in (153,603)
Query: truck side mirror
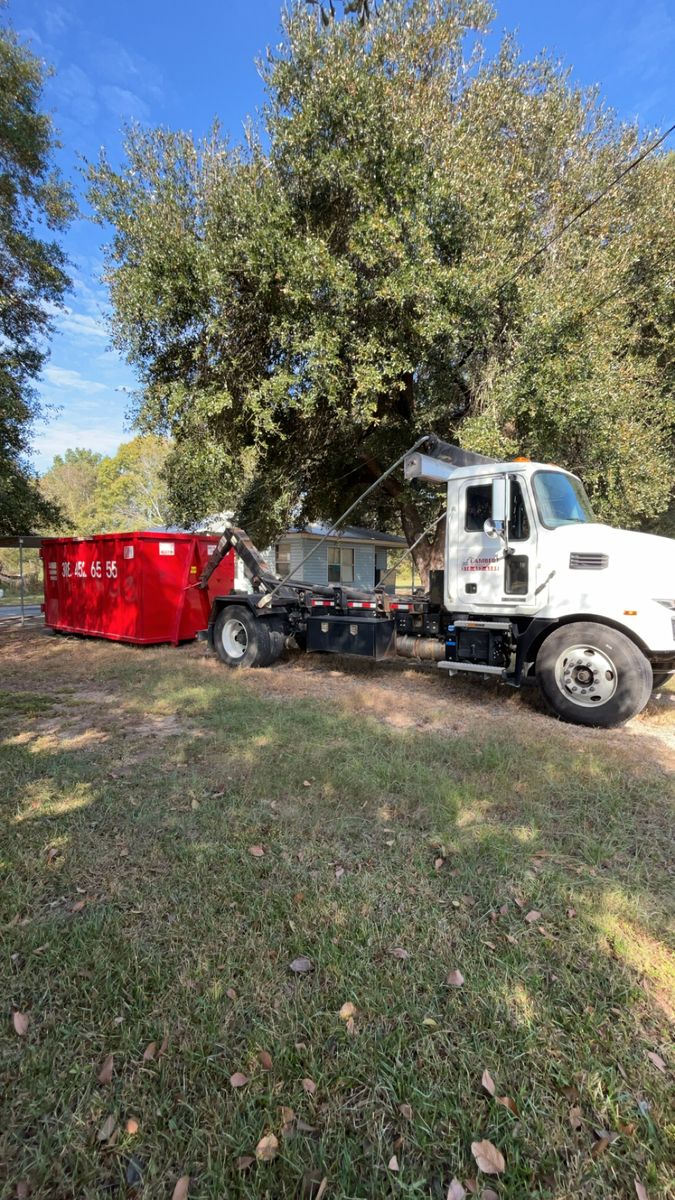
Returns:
(495,526)
(499,501)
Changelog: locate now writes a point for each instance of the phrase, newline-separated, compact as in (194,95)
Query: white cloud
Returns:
(124,104)
(80,325)
(63,379)
(61,435)
(76,95)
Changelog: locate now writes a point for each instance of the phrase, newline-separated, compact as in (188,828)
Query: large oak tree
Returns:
(303,307)
(34,205)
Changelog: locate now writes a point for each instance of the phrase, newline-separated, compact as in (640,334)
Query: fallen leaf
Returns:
(348,1010)
(323,1188)
(488,1194)
(309,1086)
(508,1103)
(20,1021)
(399,952)
(244,1162)
(265,1060)
(532,916)
(571,912)
(194,804)
(149,1052)
(490,945)
(288,1119)
(52,853)
(231,994)
(164,1046)
(488,1082)
(301,965)
(455,978)
(350,1027)
(77,906)
(628,1128)
(106,1072)
(131,1125)
(570,1093)
(488,1158)
(303,1127)
(575,1118)
(393,1163)
(430,1023)
(406,1111)
(107,1129)
(640,1190)
(267,1148)
(22,1189)
(652,1056)
(455,1191)
(438,863)
(181,1189)
(339,872)
(510,939)
(238,1079)
(256,851)
(471,1186)
(600,1147)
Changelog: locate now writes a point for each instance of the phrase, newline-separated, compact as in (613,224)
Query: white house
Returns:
(353,555)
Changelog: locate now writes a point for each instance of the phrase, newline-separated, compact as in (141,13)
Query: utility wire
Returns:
(581,212)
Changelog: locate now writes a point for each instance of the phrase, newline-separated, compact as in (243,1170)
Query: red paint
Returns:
(132,587)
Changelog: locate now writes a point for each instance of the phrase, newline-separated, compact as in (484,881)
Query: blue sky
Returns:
(183,67)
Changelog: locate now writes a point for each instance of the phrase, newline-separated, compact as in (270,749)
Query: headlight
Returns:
(667,603)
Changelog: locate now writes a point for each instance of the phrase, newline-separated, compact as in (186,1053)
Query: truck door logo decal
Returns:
(480,563)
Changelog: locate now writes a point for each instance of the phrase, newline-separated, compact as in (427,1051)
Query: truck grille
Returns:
(588,562)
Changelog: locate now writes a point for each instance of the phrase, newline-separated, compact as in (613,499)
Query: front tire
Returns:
(592,674)
(244,640)
(661,678)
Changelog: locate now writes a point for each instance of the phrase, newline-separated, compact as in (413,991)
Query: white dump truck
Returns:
(532,585)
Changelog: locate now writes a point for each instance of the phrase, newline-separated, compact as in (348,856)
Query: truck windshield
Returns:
(561,499)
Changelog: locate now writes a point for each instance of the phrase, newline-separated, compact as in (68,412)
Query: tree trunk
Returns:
(428,555)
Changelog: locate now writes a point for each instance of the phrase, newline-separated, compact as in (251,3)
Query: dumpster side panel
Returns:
(132,587)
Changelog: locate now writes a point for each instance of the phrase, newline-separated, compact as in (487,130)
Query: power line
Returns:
(635,162)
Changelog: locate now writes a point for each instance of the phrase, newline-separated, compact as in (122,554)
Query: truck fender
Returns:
(530,640)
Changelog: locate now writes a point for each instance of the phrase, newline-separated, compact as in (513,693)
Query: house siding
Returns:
(315,570)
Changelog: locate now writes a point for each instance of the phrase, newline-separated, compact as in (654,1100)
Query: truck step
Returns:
(477,668)
(502,626)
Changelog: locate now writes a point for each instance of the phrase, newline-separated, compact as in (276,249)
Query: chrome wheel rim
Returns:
(234,639)
(586,676)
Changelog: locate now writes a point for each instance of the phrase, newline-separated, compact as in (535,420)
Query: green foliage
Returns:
(70,484)
(301,309)
(32,272)
(98,494)
(131,491)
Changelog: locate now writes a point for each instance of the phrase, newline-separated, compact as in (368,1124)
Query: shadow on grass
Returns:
(373,839)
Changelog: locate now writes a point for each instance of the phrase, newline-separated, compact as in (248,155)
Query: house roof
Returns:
(350,533)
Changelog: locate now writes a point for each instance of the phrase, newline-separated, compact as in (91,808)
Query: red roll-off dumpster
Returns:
(132,587)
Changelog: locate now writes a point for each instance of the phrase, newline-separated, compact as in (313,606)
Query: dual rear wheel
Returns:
(244,640)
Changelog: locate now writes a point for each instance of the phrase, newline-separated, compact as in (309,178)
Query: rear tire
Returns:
(591,674)
(244,640)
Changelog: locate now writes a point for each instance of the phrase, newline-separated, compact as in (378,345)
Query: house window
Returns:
(283,559)
(340,564)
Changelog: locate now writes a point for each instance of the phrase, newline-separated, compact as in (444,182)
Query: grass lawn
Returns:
(175,835)
(13,599)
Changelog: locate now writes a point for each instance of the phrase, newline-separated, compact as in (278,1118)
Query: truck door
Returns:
(487,578)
